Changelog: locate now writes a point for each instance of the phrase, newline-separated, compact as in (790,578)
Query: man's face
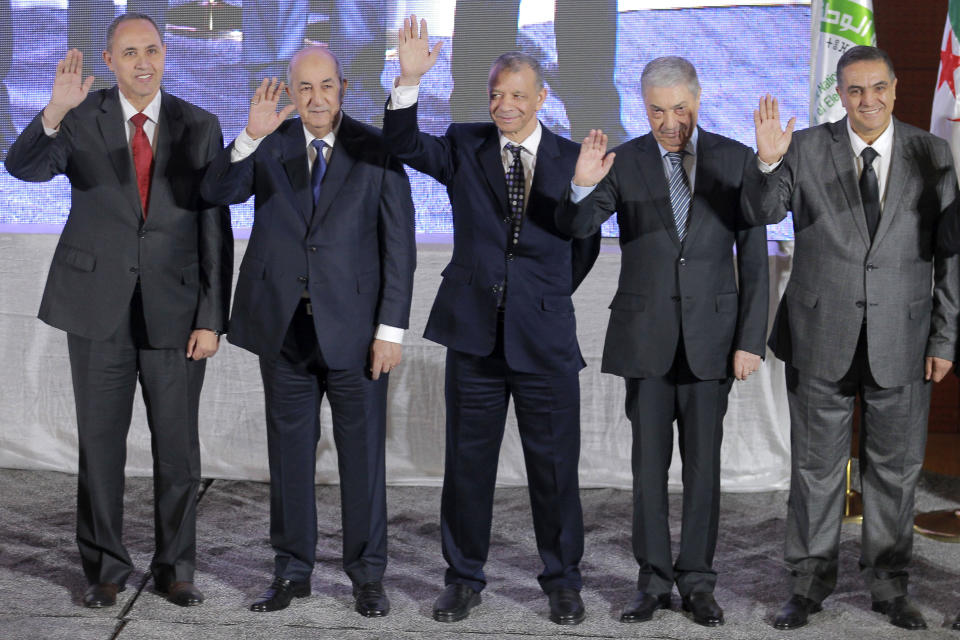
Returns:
(136,58)
(514,102)
(672,113)
(867,93)
(315,89)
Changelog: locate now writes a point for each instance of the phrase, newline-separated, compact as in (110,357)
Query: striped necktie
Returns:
(679,192)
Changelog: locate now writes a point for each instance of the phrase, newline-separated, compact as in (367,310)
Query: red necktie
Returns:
(142,159)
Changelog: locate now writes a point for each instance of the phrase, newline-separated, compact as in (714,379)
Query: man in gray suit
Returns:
(679,330)
(857,318)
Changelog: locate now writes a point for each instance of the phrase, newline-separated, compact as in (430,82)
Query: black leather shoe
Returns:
(643,605)
(455,603)
(371,600)
(279,595)
(794,613)
(901,613)
(566,606)
(100,595)
(704,608)
(184,594)
(956,623)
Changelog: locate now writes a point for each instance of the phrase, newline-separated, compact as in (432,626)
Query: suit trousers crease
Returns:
(698,406)
(105,374)
(294,384)
(478,390)
(893,431)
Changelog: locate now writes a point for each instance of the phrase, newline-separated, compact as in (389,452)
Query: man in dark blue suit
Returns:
(323,297)
(505,313)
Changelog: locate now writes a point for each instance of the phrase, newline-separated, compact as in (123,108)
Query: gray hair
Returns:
(669,71)
(311,48)
(126,17)
(862,53)
(515,61)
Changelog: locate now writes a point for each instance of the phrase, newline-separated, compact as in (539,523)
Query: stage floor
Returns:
(40,577)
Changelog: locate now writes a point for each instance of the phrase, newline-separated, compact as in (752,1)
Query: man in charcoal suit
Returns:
(687,318)
(140,281)
(322,297)
(504,311)
(870,311)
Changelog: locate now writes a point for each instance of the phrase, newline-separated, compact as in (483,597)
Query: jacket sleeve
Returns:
(765,197)
(398,248)
(215,248)
(432,155)
(37,157)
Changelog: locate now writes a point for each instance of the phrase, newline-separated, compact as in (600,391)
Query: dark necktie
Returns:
(142,159)
(870,191)
(679,192)
(515,189)
(319,168)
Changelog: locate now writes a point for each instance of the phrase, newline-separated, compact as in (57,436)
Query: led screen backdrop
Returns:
(592,50)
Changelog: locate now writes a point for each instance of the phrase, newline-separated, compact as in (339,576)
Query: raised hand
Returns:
(594,162)
(69,88)
(414,52)
(263,118)
(772,141)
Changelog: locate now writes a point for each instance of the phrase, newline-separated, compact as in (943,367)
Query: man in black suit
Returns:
(323,297)
(685,320)
(140,281)
(505,314)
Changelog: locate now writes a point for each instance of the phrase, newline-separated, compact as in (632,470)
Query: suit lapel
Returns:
(705,184)
(650,165)
(491,164)
(547,154)
(896,180)
(339,166)
(170,128)
(843,162)
(112,128)
(294,150)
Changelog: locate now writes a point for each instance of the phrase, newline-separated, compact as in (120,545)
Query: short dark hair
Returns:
(124,17)
(515,61)
(862,53)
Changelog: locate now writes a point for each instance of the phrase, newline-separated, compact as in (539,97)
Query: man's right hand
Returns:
(772,141)
(264,119)
(594,162)
(414,52)
(69,89)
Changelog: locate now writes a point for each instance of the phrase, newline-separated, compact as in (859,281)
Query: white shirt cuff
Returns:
(403,96)
(243,146)
(389,334)
(768,168)
(578,193)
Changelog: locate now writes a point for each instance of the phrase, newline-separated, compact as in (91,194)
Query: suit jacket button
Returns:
(870,267)
(302,279)
(313,249)
(683,261)
(509,255)
(860,304)
(133,269)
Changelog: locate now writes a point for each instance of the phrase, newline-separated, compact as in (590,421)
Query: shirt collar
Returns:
(531,143)
(331,136)
(152,110)
(691,147)
(882,145)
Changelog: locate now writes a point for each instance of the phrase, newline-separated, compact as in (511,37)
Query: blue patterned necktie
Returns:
(319,168)
(679,192)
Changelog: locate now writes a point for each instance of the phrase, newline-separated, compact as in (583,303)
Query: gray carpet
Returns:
(41,581)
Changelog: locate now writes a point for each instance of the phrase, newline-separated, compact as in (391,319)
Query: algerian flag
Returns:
(946,109)
(836,25)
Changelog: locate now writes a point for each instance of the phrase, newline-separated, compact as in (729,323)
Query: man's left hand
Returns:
(384,356)
(745,363)
(203,343)
(936,368)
